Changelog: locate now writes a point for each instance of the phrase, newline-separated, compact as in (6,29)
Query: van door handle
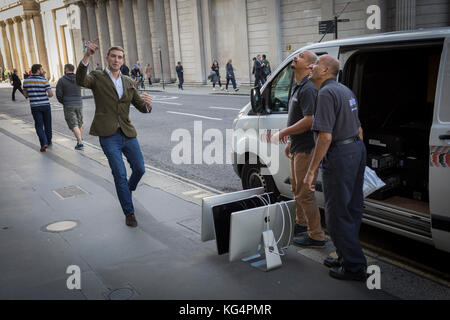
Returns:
(444,137)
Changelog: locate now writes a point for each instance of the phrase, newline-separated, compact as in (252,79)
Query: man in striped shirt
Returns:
(37,88)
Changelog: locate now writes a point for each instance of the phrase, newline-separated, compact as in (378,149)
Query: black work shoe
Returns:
(331,262)
(341,274)
(300,230)
(307,242)
(130,220)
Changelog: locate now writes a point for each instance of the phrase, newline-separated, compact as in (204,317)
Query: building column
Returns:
(23,54)
(242,61)
(84,22)
(208,34)
(145,37)
(131,55)
(274,32)
(40,41)
(105,42)
(93,31)
(175,30)
(30,39)
(15,54)
(162,45)
(2,63)
(405,15)
(8,57)
(116,36)
(199,56)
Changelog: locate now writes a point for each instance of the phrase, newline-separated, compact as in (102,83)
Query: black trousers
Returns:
(14,91)
(259,81)
(343,178)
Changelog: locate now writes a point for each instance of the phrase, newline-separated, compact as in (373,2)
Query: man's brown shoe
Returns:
(130,220)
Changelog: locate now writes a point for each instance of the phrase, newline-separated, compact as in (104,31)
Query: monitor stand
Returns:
(272,257)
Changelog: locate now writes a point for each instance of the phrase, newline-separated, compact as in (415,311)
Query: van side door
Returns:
(439,178)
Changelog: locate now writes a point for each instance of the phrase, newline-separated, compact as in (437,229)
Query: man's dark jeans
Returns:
(42,116)
(113,147)
(343,178)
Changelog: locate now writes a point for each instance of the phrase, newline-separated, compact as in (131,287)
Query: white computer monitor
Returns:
(247,227)
(208,232)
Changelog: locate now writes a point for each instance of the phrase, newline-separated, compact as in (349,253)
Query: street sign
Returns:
(326,26)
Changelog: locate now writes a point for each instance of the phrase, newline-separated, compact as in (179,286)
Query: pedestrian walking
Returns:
(2,74)
(38,90)
(266,67)
(216,69)
(180,74)
(259,77)
(68,94)
(98,67)
(25,75)
(125,70)
(16,83)
(112,124)
(230,76)
(299,149)
(343,155)
(148,73)
(136,75)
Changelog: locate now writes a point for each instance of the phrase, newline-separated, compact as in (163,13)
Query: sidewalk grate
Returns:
(69,192)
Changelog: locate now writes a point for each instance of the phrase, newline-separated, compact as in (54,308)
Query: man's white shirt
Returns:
(117,83)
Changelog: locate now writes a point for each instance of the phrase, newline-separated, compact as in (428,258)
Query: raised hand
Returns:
(91,47)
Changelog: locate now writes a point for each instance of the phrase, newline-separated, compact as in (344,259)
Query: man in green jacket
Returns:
(113,94)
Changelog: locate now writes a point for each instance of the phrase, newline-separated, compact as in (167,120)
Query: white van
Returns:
(402,83)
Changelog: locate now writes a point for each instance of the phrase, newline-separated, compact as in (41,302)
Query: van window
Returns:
(279,90)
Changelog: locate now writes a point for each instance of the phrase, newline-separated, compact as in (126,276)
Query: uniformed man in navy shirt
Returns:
(340,148)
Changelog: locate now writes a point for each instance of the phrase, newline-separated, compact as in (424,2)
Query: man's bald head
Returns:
(325,68)
(310,56)
(331,63)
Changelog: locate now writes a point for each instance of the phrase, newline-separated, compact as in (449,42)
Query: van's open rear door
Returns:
(439,183)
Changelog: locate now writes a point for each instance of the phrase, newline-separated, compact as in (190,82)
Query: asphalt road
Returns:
(171,112)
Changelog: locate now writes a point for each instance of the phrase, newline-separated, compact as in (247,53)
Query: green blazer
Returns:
(110,111)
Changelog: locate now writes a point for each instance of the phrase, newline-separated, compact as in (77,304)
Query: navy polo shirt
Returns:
(301,104)
(336,111)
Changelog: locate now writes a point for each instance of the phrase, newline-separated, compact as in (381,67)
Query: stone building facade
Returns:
(195,32)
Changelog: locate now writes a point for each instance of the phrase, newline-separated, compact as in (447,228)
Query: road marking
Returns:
(194,115)
(192,192)
(223,108)
(175,103)
(203,195)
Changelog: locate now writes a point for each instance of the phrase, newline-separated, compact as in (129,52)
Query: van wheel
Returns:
(251,178)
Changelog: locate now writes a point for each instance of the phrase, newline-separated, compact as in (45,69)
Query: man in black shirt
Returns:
(180,74)
(299,149)
(340,148)
(17,84)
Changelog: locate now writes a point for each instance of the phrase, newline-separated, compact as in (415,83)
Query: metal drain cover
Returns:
(60,226)
(121,294)
(69,192)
